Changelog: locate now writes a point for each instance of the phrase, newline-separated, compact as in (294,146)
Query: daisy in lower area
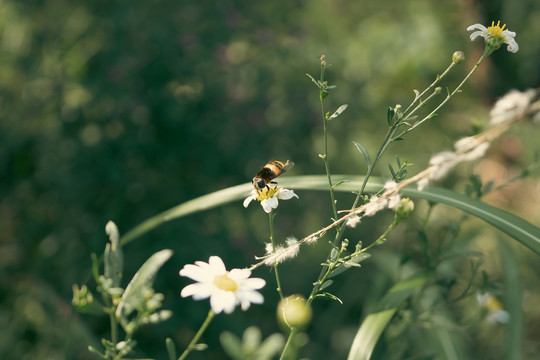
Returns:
(494,36)
(269,197)
(226,289)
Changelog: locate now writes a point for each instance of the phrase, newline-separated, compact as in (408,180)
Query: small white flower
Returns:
(496,312)
(511,106)
(226,289)
(269,197)
(494,36)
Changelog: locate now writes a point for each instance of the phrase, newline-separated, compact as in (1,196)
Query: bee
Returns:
(269,172)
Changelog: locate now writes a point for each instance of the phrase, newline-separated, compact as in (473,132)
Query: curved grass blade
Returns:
(374,324)
(514,226)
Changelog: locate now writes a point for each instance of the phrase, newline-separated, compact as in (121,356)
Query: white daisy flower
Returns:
(494,36)
(226,289)
(269,197)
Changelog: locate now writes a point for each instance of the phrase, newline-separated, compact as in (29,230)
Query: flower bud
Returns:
(293,311)
(404,209)
(458,57)
(438,90)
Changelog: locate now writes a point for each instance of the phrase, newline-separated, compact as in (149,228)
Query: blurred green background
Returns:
(122,109)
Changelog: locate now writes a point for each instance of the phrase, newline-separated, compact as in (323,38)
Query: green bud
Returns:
(293,311)
(438,90)
(458,57)
(83,300)
(404,209)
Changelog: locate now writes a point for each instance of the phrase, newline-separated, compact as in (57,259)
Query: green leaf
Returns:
(327,295)
(512,225)
(390,116)
(354,262)
(339,183)
(513,296)
(314,81)
(232,345)
(133,296)
(374,324)
(270,347)
(338,112)
(171,348)
(326,284)
(364,152)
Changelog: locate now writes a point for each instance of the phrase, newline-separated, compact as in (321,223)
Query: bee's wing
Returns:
(287,166)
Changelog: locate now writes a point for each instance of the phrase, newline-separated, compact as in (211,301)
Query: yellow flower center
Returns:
(266,193)
(224,282)
(496,30)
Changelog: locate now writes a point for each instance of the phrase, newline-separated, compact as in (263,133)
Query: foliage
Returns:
(116,110)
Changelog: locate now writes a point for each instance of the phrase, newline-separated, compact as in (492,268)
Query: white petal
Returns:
(273,202)
(217,265)
(286,194)
(253,297)
(198,291)
(223,301)
(266,206)
(476,34)
(508,36)
(477,27)
(254,283)
(248,200)
(239,275)
(197,273)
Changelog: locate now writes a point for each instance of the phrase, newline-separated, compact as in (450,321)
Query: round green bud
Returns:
(404,209)
(458,57)
(293,311)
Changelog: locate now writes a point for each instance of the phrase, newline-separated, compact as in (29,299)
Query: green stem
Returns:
(198,335)
(458,88)
(271,216)
(437,80)
(292,333)
(325,153)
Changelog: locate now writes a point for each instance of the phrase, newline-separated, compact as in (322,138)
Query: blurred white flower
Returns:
(511,106)
(496,312)
(494,36)
(226,289)
(269,197)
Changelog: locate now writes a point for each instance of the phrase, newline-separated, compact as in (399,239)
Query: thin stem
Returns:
(437,80)
(290,338)
(325,153)
(198,335)
(271,216)
(458,88)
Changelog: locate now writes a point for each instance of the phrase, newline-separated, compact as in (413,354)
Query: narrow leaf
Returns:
(314,81)
(390,116)
(338,112)
(171,348)
(374,324)
(326,284)
(133,296)
(514,226)
(329,296)
(364,153)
